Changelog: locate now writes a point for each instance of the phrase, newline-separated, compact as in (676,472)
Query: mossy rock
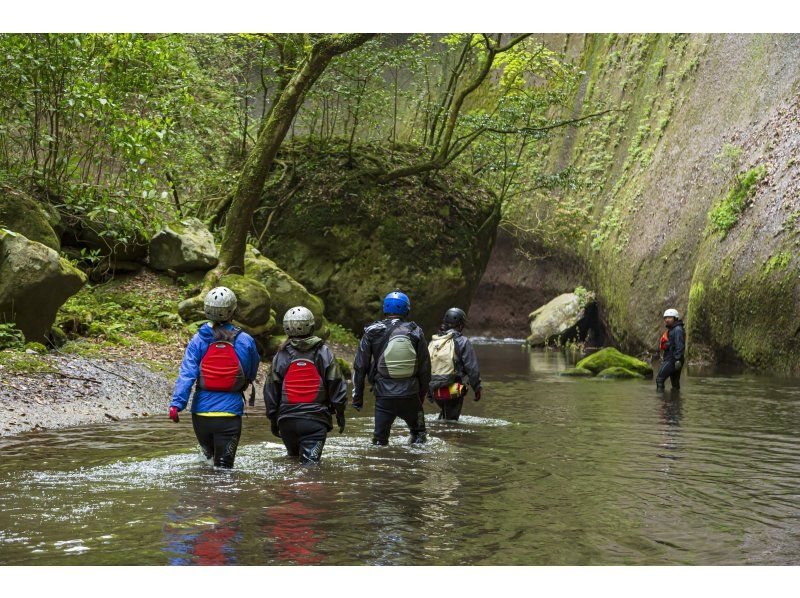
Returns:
(23,214)
(36,348)
(618,373)
(57,337)
(285,292)
(183,246)
(611,358)
(345,367)
(34,283)
(577,372)
(272,344)
(428,236)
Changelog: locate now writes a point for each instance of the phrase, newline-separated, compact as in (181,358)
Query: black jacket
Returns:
(365,366)
(676,343)
(331,398)
(466,362)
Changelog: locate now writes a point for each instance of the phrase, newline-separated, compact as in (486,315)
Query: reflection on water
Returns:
(545,470)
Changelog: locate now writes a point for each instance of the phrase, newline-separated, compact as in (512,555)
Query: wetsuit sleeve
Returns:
(187,374)
(470,364)
(335,384)
(423,364)
(272,388)
(679,342)
(360,368)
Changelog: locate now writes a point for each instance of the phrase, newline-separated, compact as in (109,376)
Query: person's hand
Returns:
(173,414)
(678,365)
(430,399)
(340,421)
(478,394)
(273,426)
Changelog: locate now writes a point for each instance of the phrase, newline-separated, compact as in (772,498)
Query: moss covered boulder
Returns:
(612,358)
(34,283)
(350,240)
(23,214)
(183,246)
(285,292)
(577,372)
(618,373)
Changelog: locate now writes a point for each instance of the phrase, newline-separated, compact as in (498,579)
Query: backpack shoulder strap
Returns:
(387,337)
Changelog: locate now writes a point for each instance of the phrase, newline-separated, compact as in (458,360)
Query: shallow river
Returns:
(546,470)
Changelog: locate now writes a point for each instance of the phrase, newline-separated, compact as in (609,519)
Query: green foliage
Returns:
(611,357)
(152,336)
(779,261)
(726,213)
(11,337)
(341,335)
(17,362)
(36,347)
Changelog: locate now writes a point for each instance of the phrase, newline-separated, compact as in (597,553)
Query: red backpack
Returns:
(302,382)
(220,369)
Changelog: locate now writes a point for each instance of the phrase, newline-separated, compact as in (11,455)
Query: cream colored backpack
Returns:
(442,349)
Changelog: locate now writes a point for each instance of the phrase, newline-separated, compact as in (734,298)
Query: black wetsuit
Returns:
(304,426)
(466,369)
(393,397)
(673,354)
(218,437)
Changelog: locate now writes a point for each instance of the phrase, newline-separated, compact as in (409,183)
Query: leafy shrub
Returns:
(341,335)
(11,337)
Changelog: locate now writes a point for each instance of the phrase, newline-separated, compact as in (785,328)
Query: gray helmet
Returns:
(455,317)
(220,304)
(298,321)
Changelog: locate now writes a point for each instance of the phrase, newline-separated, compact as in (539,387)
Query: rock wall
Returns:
(650,185)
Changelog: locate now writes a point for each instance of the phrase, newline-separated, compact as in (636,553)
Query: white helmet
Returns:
(220,304)
(672,313)
(298,321)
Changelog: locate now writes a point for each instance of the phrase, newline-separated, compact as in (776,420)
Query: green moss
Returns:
(779,261)
(577,372)
(37,347)
(345,367)
(153,337)
(618,373)
(724,216)
(341,335)
(24,215)
(19,362)
(611,357)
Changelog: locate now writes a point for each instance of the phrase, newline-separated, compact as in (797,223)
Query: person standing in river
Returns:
(672,346)
(452,362)
(393,356)
(222,360)
(304,387)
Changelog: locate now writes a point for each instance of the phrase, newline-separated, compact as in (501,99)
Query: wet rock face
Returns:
(34,283)
(431,239)
(24,215)
(183,246)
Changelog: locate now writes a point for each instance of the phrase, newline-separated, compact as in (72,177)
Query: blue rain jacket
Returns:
(210,400)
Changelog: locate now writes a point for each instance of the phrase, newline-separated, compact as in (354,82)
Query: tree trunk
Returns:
(259,162)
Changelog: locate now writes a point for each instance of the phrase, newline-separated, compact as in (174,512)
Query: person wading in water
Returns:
(672,346)
(222,360)
(452,362)
(393,356)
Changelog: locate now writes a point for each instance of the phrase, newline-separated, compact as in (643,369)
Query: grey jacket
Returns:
(331,397)
(365,366)
(466,362)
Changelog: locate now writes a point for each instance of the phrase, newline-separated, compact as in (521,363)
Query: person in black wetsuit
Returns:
(393,356)
(452,365)
(305,386)
(673,346)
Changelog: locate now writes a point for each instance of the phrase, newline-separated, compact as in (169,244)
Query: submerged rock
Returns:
(34,283)
(577,372)
(183,246)
(23,214)
(612,358)
(560,319)
(618,373)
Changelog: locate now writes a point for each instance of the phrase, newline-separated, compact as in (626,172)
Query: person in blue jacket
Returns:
(220,361)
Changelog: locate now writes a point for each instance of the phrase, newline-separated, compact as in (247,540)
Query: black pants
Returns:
(451,408)
(409,409)
(218,437)
(303,437)
(668,370)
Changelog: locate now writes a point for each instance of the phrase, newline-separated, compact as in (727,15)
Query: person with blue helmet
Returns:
(220,362)
(393,356)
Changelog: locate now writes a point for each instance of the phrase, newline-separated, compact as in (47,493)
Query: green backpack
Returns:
(398,358)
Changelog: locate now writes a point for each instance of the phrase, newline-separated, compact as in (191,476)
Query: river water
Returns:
(545,470)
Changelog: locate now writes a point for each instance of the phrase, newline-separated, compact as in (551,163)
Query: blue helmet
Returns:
(396,303)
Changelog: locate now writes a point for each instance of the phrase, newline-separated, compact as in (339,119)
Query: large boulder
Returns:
(618,373)
(23,214)
(285,292)
(428,236)
(564,318)
(610,357)
(253,313)
(34,283)
(183,246)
